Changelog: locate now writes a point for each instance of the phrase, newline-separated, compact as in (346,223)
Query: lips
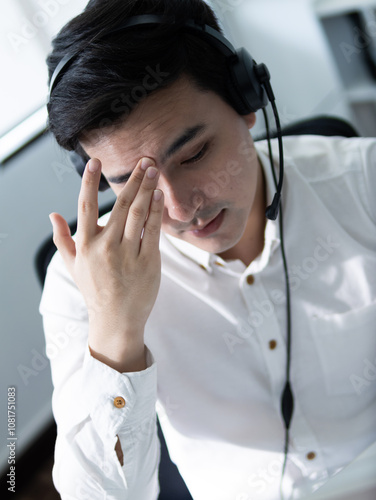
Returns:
(210,227)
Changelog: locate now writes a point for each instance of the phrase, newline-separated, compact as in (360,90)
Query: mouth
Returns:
(210,228)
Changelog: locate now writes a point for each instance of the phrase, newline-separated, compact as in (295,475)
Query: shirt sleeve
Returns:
(94,405)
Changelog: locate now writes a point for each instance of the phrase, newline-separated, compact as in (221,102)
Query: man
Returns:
(150,106)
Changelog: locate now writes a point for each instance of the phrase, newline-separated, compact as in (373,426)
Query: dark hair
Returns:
(99,88)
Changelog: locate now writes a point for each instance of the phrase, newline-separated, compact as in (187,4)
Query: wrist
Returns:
(124,353)
(130,361)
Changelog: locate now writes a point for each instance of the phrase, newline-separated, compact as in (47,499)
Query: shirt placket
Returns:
(305,452)
(264,322)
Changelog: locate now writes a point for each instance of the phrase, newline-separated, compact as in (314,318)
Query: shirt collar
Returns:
(272,236)
(201,257)
(206,260)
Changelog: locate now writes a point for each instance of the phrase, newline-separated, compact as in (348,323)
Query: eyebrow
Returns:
(187,136)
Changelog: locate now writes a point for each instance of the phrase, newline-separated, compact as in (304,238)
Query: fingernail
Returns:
(93,165)
(157,195)
(51,220)
(146,163)
(152,172)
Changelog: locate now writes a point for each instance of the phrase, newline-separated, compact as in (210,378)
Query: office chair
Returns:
(171,484)
(320,125)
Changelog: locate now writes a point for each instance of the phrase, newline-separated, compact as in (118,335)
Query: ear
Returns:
(250,120)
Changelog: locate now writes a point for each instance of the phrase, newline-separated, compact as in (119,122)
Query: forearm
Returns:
(88,422)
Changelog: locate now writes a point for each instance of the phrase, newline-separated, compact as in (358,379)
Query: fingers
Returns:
(150,239)
(63,240)
(132,205)
(130,212)
(139,210)
(88,202)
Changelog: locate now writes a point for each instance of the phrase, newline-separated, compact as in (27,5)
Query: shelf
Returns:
(361,94)
(326,8)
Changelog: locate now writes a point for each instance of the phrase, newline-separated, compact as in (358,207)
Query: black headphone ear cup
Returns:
(79,164)
(236,99)
(246,87)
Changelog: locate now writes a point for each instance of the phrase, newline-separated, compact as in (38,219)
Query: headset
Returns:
(249,90)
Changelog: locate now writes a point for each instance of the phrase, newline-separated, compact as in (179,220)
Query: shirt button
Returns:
(250,279)
(272,344)
(119,402)
(311,455)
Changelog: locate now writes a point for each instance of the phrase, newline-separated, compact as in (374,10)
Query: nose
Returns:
(181,200)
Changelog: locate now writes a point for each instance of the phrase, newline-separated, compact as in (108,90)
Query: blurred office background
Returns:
(322,58)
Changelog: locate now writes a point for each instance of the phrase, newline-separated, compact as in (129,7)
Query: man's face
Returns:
(209,171)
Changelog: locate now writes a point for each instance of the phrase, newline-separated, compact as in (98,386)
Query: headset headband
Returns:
(205,31)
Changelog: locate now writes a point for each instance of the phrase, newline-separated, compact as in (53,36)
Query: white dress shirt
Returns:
(217,352)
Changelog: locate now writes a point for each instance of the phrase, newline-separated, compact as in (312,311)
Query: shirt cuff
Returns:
(117,401)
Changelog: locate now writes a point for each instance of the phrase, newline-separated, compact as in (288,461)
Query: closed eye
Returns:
(197,157)
(122,179)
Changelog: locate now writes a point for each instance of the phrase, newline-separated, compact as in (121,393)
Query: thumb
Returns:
(63,239)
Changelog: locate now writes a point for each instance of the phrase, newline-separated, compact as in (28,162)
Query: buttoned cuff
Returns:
(118,401)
